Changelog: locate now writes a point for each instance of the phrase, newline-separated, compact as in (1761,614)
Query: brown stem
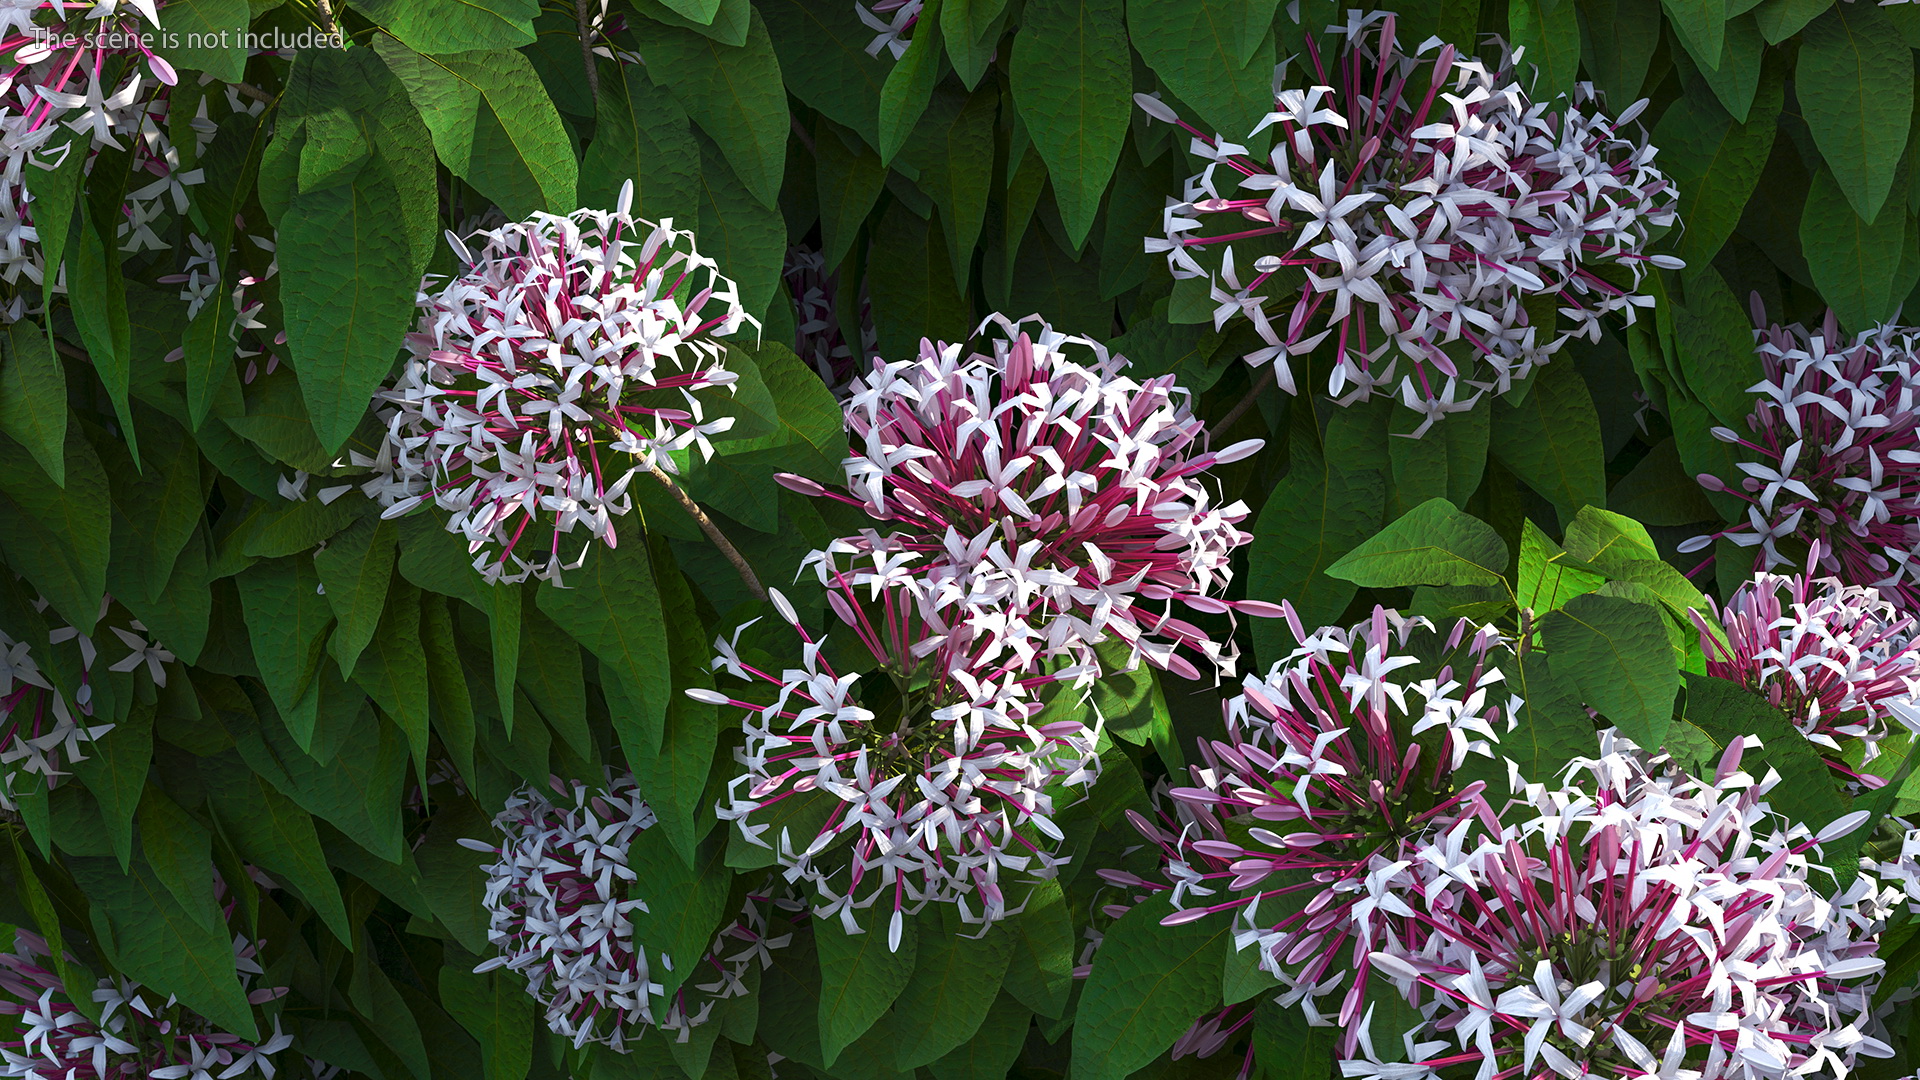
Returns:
(806,139)
(327,22)
(585,23)
(252,91)
(70,351)
(1265,380)
(713,532)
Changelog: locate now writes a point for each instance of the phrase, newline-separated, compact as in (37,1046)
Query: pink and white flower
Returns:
(893,21)
(560,900)
(1418,207)
(1338,769)
(1832,456)
(819,339)
(1641,922)
(1044,500)
(569,356)
(1837,659)
(930,779)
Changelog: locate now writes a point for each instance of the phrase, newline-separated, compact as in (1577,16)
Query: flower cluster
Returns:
(566,359)
(1836,658)
(1419,207)
(1833,456)
(893,22)
(41,731)
(819,338)
(1335,768)
(559,901)
(1039,499)
(139,1036)
(1632,922)
(926,780)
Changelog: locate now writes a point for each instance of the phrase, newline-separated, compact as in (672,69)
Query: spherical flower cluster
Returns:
(1836,658)
(1040,498)
(1638,922)
(559,901)
(928,780)
(1334,768)
(564,360)
(1419,207)
(1832,456)
(818,336)
(893,22)
(139,1036)
(41,731)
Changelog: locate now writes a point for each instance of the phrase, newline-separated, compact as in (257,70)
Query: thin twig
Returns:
(327,21)
(713,532)
(585,23)
(806,139)
(71,352)
(252,91)
(1253,393)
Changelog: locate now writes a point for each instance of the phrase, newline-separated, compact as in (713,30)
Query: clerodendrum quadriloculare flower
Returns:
(928,779)
(1043,499)
(894,21)
(1636,922)
(1418,207)
(567,358)
(559,900)
(1832,455)
(41,730)
(1333,767)
(139,1034)
(819,337)
(1837,659)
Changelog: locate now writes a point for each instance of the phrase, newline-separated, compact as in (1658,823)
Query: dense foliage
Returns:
(1070,539)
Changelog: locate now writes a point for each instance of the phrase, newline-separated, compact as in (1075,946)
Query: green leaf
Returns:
(1660,492)
(348,280)
(154,941)
(686,903)
(1552,439)
(1289,1049)
(1716,347)
(1716,164)
(78,982)
(641,134)
(1071,85)
(1853,262)
(971,30)
(734,94)
(356,568)
(1241,977)
(747,238)
(1854,80)
(357,788)
(909,86)
(210,36)
(1546,580)
(1549,30)
(612,607)
(1195,48)
(54,536)
(1617,42)
(272,832)
(553,678)
(849,180)
(1040,971)
(1615,653)
(115,771)
(98,295)
(859,977)
(956,979)
(1702,26)
(497,1013)
(180,851)
(823,57)
(287,620)
(493,125)
(389,671)
(33,397)
(452,877)
(456,25)
(1148,985)
(1434,544)
(953,150)
(1736,78)
(994,1047)
(1781,19)
(725,21)
(911,282)
(1725,710)
(673,772)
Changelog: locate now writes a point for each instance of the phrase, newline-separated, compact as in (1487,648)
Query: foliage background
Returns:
(329,661)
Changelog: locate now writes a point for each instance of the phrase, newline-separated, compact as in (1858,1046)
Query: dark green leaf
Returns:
(909,86)
(497,1013)
(748,239)
(1854,80)
(206,35)
(58,538)
(1071,84)
(1614,652)
(33,397)
(1149,984)
(389,671)
(849,180)
(1550,32)
(734,94)
(273,833)
(953,150)
(612,607)
(356,568)
(180,851)
(971,29)
(1435,544)
(1551,440)
(1040,971)
(641,135)
(1702,25)
(956,978)
(1853,262)
(1725,710)
(457,25)
(1617,41)
(911,278)
(115,771)
(860,976)
(823,57)
(1195,48)
(1716,164)
(287,620)
(994,1047)
(686,903)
